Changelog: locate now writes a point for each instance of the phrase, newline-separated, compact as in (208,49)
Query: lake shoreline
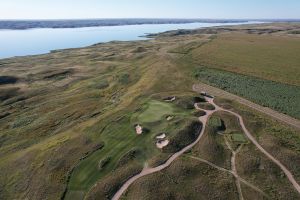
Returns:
(74,38)
(86,23)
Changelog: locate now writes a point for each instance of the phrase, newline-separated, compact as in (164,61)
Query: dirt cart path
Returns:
(148,171)
(272,113)
(204,119)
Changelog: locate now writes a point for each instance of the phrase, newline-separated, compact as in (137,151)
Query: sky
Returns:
(86,9)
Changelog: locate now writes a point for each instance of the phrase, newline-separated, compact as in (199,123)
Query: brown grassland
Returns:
(67,118)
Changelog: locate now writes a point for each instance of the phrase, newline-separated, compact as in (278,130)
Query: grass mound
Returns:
(206,106)
(184,137)
(216,123)
(211,146)
(103,162)
(238,137)
(185,102)
(199,113)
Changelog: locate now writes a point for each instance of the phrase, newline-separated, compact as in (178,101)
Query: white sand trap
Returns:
(139,130)
(162,144)
(169,118)
(171,99)
(162,136)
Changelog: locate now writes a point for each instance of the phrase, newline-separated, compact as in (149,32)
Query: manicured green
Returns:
(155,111)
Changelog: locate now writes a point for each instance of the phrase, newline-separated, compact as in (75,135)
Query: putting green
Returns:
(155,111)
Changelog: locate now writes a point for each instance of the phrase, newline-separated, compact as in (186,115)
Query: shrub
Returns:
(206,106)
(124,79)
(199,99)
(101,85)
(216,123)
(185,102)
(199,113)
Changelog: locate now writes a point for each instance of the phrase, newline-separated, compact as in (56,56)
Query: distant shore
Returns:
(30,24)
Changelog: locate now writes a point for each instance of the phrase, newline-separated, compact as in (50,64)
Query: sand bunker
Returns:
(162,144)
(169,118)
(138,129)
(162,136)
(170,99)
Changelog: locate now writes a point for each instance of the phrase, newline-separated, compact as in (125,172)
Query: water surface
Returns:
(40,41)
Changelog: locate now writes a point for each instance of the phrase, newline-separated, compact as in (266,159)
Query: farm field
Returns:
(68,119)
(278,96)
(268,57)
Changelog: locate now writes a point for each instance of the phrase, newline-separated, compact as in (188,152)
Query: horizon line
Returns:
(154,18)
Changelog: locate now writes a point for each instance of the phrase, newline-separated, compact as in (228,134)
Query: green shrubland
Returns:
(278,96)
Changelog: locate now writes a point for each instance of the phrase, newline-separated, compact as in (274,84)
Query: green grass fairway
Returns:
(120,137)
(155,111)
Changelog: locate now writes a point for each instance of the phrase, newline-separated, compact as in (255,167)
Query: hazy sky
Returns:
(66,9)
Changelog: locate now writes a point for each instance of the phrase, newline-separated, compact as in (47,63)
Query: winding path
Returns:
(230,172)
(288,174)
(272,113)
(233,166)
(147,171)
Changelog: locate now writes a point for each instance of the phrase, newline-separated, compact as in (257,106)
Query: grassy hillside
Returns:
(268,57)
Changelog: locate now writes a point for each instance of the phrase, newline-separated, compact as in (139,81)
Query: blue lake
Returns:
(40,41)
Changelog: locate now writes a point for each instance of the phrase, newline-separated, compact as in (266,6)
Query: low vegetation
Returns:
(67,120)
(264,56)
(184,137)
(281,97)
(199,113)
(206,106)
